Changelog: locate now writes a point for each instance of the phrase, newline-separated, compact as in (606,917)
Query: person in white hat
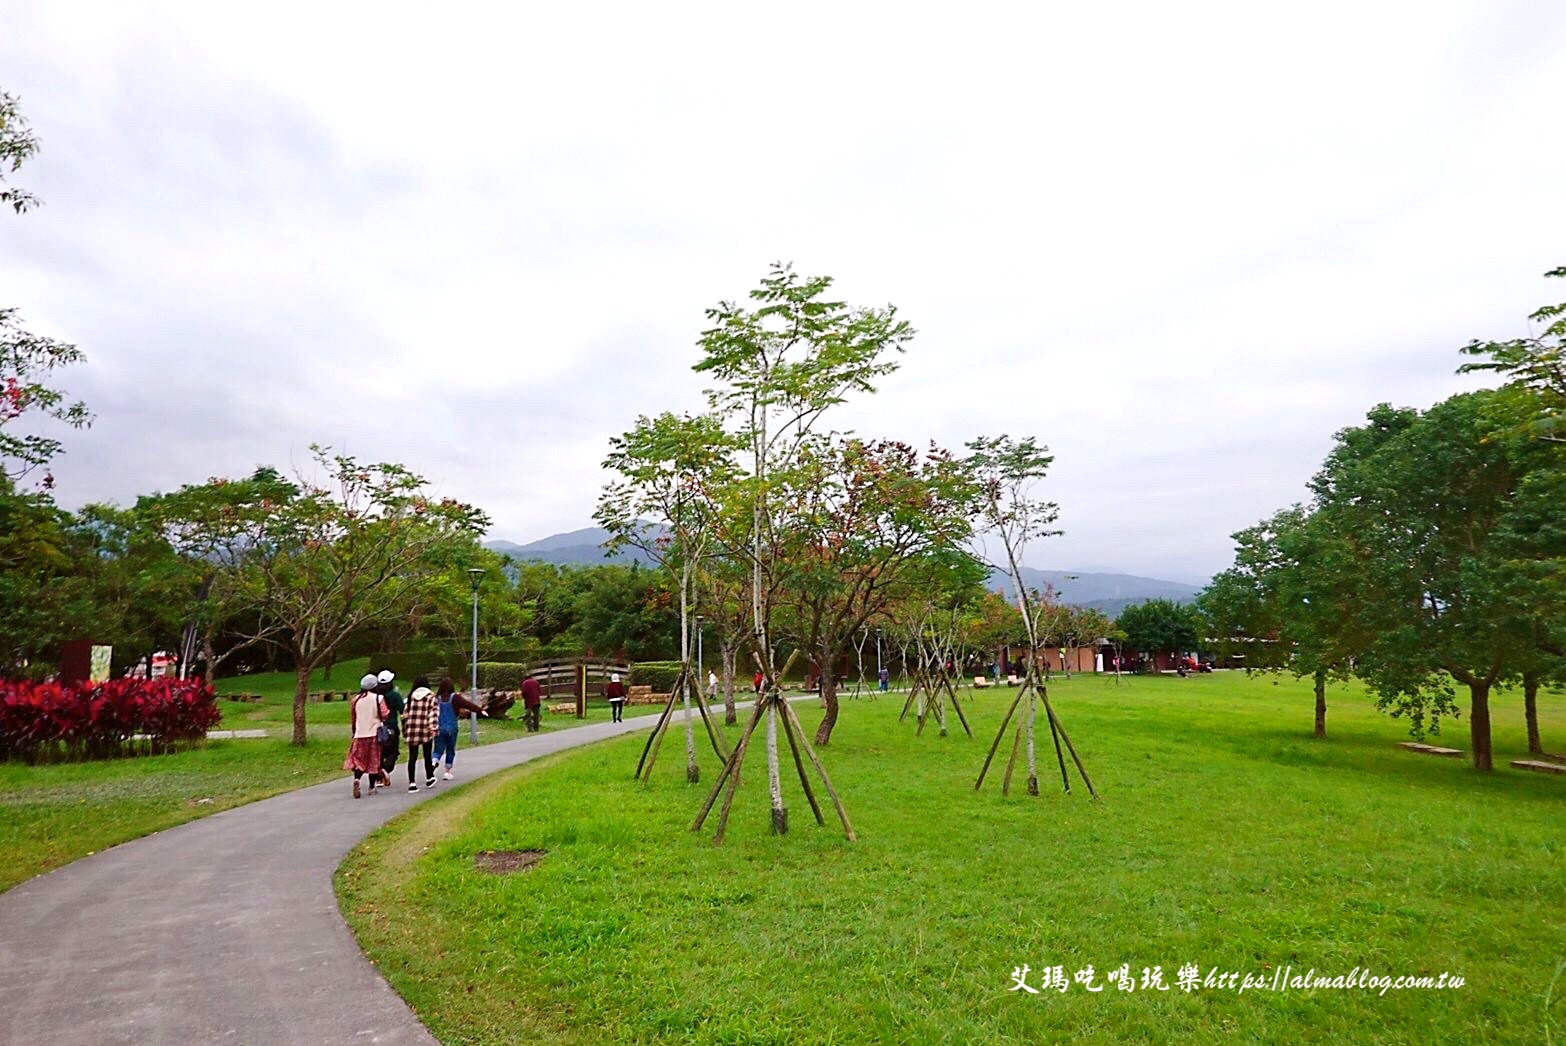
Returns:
(392,748)
(615,692)
(365,714)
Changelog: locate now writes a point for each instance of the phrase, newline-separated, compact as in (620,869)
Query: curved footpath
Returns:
(223,930)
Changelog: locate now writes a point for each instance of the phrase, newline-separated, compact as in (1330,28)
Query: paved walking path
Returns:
(223,930)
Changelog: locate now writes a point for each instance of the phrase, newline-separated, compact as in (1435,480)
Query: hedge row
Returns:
(96,720)
(501,675)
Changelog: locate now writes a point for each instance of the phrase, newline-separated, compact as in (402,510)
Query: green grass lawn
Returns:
(1227,839)
(55,813)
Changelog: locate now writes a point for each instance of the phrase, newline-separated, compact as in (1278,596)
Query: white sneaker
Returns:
(413,786)
(446,776)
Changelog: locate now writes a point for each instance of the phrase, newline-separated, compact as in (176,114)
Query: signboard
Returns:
(98,672)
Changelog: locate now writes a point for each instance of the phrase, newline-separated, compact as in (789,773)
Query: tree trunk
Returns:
(774,780)
(729,718)
(1033,765)
(1531,711)
(692,771)
(829,699)
(301,693)
(1321,703)
(209,659)
(1479,724)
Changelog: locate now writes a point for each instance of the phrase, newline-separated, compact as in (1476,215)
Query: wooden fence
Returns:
(576,678)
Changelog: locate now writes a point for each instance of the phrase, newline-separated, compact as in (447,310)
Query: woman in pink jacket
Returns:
(365,714)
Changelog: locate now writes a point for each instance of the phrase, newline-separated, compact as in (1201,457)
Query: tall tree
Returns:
(871,521)
(1160,626)
(1006,471)
(1419,499)
(780,364)
(28,360)
(1287,601)
(343,554)
(668,466)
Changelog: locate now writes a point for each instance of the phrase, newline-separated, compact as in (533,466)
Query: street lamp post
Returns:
(475,575)
(878,659)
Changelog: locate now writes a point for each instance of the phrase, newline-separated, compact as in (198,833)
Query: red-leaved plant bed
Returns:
(99,720)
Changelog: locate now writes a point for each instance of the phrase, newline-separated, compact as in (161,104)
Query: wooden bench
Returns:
(563,708)
(1415,746)
(980,682)
(1539,766)
(639,695)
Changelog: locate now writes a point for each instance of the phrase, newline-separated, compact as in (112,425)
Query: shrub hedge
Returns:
(98,720)
(660,675)
(501,675)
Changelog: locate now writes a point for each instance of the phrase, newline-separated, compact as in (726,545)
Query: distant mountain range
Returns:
(1107,592)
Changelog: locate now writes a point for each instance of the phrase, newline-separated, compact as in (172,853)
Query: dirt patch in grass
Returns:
(506,862)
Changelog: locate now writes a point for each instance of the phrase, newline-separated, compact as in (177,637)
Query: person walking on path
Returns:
(531,704)
(615,692)
(449,702)
(884,677)
(365,714)
(393,699)
(420,724)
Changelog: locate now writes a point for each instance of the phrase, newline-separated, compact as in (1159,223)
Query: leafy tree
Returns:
(1283,601)
(1160,626)
(27,360)
(668,467)
(324,562)
(1005,471)
(1537,364)
(871,522)
(40,599)
(1418,500)
(779,366)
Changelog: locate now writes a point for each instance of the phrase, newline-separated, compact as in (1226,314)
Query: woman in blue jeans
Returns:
(446,735)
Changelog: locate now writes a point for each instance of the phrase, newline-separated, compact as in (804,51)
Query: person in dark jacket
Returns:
(615,692)
(449,703)
(531,704)
(391,749)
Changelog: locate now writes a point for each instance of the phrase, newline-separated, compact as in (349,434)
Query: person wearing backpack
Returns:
(366,716)
(391,748)
(448,703)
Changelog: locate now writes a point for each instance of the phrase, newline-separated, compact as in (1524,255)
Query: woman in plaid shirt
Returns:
(420,723)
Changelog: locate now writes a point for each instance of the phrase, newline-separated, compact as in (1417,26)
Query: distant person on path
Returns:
(532,704)
(615,692)
(365,715)
(420,724)
(393,699)
(757,680)
(712,682)
(885,677)
(448,701)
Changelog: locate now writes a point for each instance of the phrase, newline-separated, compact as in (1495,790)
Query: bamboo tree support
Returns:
(1011,760)
(799,766)
(933,695)
(772,703)
(1011,711)
(1057,731)
(644,766)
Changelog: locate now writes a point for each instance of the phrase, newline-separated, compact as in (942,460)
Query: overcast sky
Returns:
(1181,245)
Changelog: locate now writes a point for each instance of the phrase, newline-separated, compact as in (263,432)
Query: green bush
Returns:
(502,675)
(407,664)
(660,675)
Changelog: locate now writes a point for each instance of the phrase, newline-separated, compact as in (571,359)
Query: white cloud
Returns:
(1182,245)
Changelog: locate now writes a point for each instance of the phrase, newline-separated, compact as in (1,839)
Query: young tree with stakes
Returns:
(1006,470)
(781,365)
(669,464)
